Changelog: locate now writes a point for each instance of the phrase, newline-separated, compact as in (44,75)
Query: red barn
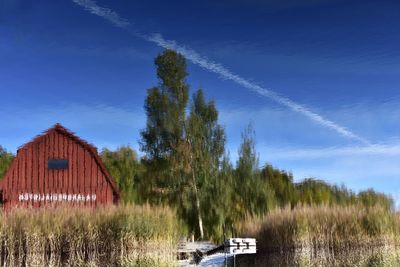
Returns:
(57,167)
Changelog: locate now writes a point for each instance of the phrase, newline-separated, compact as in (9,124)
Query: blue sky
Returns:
(340,60)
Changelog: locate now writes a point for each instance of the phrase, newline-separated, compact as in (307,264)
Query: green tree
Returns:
(370,198)
(125,168)
(207,145)
(313,191)
(5,161)
(343,196)
(163,140)
(182,152)
(252,194)
(225,192)
(281,183)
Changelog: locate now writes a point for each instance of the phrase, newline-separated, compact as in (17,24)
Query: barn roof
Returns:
(89,147)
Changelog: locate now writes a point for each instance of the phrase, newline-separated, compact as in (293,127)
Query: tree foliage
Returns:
(124,166)
(185,164)
(206,138)
(370,198)
(5,161)
(282,184)
(182,151)
(252,195)
(163,139)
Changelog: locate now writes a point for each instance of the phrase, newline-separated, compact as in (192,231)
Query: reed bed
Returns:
(363,257)
(127,235)
(323,227)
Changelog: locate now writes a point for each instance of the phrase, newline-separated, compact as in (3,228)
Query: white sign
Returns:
(57,197)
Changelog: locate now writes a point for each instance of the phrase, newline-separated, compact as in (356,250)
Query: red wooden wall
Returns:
(29,181)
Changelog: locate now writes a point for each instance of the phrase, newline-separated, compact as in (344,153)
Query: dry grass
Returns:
(363,257)
(315,227)
(125,234)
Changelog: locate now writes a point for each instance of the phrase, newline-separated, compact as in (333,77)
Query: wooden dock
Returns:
(185,247)
(204,249)
(201,249)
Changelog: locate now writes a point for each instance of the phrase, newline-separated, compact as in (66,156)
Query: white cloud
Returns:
(290,135)
(312,153)
(104,12)
(227,74)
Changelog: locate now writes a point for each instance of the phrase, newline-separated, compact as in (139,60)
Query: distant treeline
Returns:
(186,166)
(5,160)
(234,194)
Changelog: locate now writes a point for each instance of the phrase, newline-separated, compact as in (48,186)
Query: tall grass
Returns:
(327,227)
(363,257)
(129,235)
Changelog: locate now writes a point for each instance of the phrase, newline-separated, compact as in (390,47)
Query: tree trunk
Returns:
(198,206)
(196,193)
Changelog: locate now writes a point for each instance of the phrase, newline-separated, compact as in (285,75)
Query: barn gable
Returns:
(57,166)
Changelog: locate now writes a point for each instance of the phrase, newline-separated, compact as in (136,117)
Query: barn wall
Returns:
(29,182)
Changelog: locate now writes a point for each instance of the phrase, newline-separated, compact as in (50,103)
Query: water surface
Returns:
(367,257)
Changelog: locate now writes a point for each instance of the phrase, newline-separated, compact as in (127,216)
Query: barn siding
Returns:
(29,172)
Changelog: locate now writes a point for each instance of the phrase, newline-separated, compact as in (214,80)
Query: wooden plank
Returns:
(9,178)
(76,177)
(50,176)
(66,156)
(190,247)
(45,156)
(106,194)
(99,193)
(14,179)
(109,194)
(32,176)
(56,146)
(98,184)
(46,170)
(21,170)
(55,156)
(35,177)
(15,174)
(62,156)
(41,168)
(85,171)
(57,151)
(64,172)
(88,174)
(101,177)
(51,156)
(93,175)
(28,179)
(70,165)
(81,166)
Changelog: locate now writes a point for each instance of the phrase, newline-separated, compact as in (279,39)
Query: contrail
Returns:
(211,66)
